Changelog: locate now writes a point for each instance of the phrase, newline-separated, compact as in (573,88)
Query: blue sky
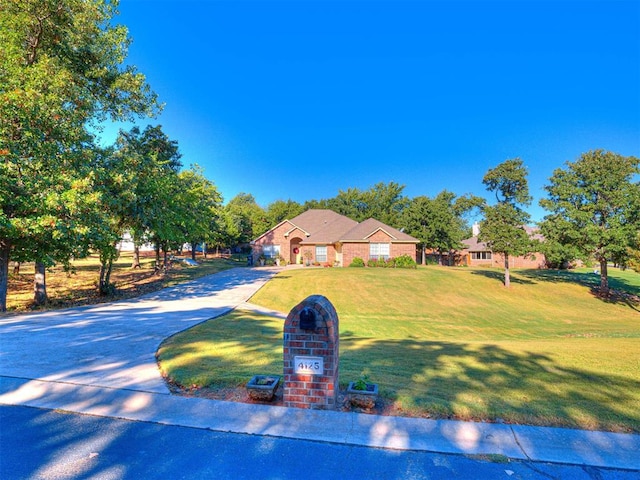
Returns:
(301,99)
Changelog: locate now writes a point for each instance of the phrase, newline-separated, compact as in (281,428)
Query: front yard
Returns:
(448,343)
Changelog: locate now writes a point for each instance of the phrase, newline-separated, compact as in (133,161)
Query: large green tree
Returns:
(149,162)
(245,219)
(595,208)
(503,225)
(199,202)
(60,68)
(383,201)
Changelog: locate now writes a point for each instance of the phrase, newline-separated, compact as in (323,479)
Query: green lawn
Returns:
(449,342)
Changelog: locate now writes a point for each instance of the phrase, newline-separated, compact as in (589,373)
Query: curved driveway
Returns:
(113,345)
(100,360)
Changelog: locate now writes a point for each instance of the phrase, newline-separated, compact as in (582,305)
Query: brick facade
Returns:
(343,238)
(306,390)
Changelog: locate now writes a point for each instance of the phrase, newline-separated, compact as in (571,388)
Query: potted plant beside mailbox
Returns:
(362,394)
(263,387)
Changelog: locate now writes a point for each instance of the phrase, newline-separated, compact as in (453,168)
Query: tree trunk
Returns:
(157,249)
(193,252)
(4,275)
(604,278)
(165,254)
(104,286)
(507,276)
(40,285)
(424,255)
(204,249)
(136,257)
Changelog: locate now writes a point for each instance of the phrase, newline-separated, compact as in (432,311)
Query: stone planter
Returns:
(263,387)
(365,399)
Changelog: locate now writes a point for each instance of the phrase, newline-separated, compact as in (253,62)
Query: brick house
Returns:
(478,254)
(329,238)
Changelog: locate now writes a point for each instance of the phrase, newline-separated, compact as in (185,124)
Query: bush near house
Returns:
(403,261)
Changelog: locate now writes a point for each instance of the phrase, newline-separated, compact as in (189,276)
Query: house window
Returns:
(271,251)
(379,250)
(321,253)
(480,255)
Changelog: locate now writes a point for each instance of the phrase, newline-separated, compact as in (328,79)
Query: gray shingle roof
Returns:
(327,226)
(323,226)
(362,232)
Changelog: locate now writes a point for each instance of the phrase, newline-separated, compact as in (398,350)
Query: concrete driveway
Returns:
(113,345)
(100,360)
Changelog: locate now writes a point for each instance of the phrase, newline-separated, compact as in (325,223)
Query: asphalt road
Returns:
(48,444)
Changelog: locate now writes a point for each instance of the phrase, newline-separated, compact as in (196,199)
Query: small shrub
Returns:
(357,262)
(405,261)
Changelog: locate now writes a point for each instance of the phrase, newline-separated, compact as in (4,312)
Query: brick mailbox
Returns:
(310,352)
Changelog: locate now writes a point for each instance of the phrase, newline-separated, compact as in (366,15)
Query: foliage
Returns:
(246,219)
(503,225)
(383,202)
(557,255)
(439,222)
(60,69)
(357,262)
(595,208)
(362,382)
(199,202)
(282,210)
(377,262)
(405,261)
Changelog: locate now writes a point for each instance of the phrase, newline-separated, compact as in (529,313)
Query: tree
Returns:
(595,208)
(416,219)
(199,203)
(60,68)
(383,202)
(246,218)
(503,225)
(283,210)
(439,222)
(150,162)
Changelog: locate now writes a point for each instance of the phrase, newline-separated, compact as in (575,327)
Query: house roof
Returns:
(362,231)
(322,226)
(474,245)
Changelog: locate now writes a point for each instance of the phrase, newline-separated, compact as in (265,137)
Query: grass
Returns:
(449,343)
(79,288)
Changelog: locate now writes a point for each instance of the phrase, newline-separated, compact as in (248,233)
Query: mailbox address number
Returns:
(309,365)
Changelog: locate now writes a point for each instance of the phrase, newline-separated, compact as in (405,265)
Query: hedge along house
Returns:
(328,238)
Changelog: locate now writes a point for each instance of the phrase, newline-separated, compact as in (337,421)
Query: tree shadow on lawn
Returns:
(487,382)
(435,379)
(499,275)
(622,292)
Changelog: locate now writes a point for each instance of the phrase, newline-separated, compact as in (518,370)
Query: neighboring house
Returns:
(326,237)
(477,253)
(126,244)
